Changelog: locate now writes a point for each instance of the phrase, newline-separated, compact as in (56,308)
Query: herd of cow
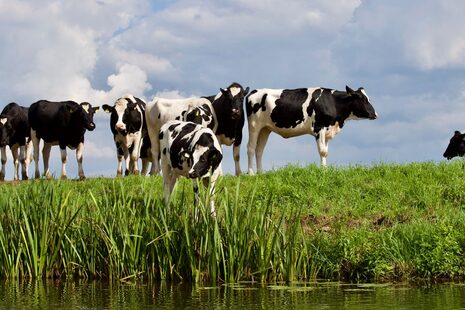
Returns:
(184,136)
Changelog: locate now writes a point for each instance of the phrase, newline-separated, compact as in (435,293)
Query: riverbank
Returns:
(378,223)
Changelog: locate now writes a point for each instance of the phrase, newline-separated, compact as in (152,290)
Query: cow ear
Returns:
(349,91)
(95,109)
(72,108)
(224,91)
(107,108)
(246,91)
(457,133)
(186,155)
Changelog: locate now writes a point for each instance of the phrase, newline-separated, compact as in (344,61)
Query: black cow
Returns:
(189,150)
(229,111)
(60,123)
(128,125)
(456,146)
(320,112)
(15,133)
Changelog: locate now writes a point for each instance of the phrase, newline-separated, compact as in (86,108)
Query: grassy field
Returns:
(377,223)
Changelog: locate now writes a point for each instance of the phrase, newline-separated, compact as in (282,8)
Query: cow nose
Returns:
(91,126)
(120,127)
(235,113)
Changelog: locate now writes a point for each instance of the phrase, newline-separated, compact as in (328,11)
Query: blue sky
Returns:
(408,55)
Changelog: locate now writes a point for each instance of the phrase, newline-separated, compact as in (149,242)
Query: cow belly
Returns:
(301,129)
(128,139)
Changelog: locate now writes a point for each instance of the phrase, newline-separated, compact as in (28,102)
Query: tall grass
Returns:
(373,223)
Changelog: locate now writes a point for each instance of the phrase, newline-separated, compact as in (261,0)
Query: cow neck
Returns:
(343,106)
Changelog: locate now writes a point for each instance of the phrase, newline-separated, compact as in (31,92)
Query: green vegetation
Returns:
(385,222)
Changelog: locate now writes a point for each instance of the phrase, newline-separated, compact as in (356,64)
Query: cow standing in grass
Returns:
(321,112)
(192,151)
(226,111)
(15,133)
(127,123)
(61,123)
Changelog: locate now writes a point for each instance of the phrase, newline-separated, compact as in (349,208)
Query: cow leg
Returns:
(127,162)
(262,139)
(119,156)
(27,159)
(237,157)
(14,154)
(322,145)
(64,159)
(155,150)
(135,156)
(169,180)
(2,172)
(46,156)
(251,145)
(35,143)
(79,157)
(211,182)
(145,166)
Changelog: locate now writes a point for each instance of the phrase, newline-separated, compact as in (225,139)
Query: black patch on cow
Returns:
(288,112)
(456,146)
(164,151)
(16,130)
(160,135)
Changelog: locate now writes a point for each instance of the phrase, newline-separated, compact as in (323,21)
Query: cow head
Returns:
(3,131)
(205,158)
(124,114)
(456,146)
(361,107)
(232,98)
(84,113)
(201,115)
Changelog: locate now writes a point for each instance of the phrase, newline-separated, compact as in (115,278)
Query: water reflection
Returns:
(319,295)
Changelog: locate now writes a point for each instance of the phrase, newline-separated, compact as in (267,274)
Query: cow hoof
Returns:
(2,177)
(63,177)
(126,172)
(82,178)
(136,172)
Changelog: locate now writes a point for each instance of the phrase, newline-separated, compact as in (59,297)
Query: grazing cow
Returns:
(15,133)
(127,123)
(456,146)
(223,113)
(189,150)
(320,112)
(60,123)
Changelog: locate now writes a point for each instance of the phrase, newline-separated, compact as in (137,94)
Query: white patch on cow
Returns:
(3,120)
(86,107)
(365,94)
(235,90)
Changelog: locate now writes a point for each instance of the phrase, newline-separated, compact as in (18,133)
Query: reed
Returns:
(382,222)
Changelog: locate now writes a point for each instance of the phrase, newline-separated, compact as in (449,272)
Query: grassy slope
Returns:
(382,222)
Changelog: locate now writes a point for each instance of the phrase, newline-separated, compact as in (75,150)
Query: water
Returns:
(321,295)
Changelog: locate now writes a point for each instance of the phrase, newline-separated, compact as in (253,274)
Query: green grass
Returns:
(378,223)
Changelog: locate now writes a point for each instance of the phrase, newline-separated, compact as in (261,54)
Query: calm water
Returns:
(99,295)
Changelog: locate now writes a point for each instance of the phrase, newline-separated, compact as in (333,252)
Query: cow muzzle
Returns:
(91,126)
(235,113)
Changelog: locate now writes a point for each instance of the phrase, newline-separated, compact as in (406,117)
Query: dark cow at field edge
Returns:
(456,146)
(127,123)
(15,133)
(320,112)
(192,151)
(60,123)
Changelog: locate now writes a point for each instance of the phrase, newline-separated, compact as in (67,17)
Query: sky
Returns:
(408,55)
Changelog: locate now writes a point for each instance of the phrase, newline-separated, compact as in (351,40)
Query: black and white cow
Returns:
(223,113)
(60,123)
(127,123)
(192,151)
(15,133)
(320,112)
(456,146)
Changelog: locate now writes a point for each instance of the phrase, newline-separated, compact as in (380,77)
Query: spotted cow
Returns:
(192,151)
(61,123)
(15,133)
(128,125)
(456,146)
(321,112)
(223,113)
